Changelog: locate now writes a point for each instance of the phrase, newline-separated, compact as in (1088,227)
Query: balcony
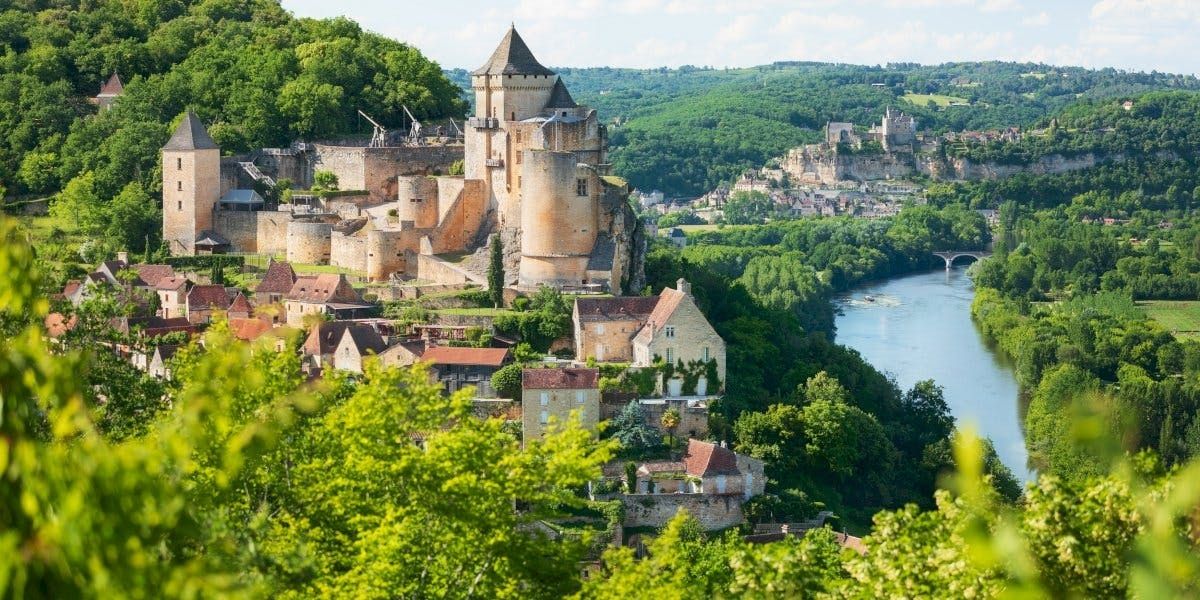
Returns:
(493,162)
(483,123)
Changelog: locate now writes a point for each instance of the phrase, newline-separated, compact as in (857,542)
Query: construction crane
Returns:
(379,136)
(414,132)
(458,133)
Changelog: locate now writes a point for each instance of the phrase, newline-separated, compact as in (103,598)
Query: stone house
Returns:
(358,341)
(640,329)
(240,307)
(203,300)
(172,297)
(322,341)
(680,334)
(109,92)
(705,468)
(457,368)
(160,361)
(403,354)
(604,327)
(553,394)
(325,294)
(276,283)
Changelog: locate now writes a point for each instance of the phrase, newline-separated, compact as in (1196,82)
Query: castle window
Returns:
(179,205)
(519,158)
(518,181)
(414,199)
(669,331)
(581,187)
(517,139)
(564,113)
(178,164)
(512,116)
(179,186)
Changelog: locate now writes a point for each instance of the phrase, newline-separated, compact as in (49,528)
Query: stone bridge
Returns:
(951,255)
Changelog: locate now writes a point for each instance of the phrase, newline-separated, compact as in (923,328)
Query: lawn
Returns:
(693,228)
(475,312)
(1181,317)
(940,100)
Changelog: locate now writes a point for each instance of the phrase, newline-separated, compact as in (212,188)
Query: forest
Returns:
(686,130)
(257,75)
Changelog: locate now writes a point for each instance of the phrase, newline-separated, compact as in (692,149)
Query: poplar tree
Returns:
(496,272)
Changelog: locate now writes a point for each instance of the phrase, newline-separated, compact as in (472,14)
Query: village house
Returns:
(276,283)
(402,354)
(705,468)
(457,368)
(554,394)
(172,296)
(160,361)
(203,301)
(642,329)
(109,92)
(322,341)
(325,294)
(357,343)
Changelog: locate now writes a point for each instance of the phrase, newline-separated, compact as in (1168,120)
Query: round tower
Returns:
(309,242)
(418,199)
(559,214)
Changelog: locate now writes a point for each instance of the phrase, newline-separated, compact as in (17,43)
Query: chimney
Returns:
(683,286)
(124,257)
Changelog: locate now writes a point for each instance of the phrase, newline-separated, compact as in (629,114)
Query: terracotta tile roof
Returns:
(248,329)
(241,305)
(278,280)
(668,301)
(172,283)
(151,275)
(512,57)
(323,289)
(71,287)
(560,379)
(204,297)
(449,355)
(58,324)
(704,458)
(112,87)
(615,309)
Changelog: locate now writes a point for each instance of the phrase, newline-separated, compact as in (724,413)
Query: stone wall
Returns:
(348,251)
(375,169)
(654,510)
(432,268)
(240,227)
(272,232)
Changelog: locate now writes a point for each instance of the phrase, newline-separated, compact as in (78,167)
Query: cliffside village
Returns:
(534,177)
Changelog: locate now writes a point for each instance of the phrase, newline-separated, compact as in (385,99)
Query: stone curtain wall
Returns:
(240,227)
(654,510)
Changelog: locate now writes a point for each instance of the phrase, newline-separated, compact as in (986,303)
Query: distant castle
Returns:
(535,172)
(896,132)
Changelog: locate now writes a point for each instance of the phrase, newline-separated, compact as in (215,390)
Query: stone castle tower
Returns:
(191,184)
(541,158)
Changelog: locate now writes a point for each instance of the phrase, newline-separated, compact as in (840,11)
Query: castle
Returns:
(535,172)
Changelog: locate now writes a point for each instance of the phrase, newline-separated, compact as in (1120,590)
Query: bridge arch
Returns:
(953,255)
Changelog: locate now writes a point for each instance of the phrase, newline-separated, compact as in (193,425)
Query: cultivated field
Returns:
(1181,317)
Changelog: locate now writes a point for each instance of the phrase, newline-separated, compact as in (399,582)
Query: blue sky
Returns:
(1145,35)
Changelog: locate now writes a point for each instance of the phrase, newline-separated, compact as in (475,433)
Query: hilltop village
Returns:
(534,177)
(395,270)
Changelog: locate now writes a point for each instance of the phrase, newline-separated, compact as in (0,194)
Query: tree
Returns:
(39,171)
(495,272)
(670,420)
(133,219)
(629,427)
(324,182)
(79,203)
(507,381)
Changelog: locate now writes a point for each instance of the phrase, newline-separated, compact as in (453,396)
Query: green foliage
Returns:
(747,208)
(630,429)
(134,221)
(507,381)
(206,261)
(324,183)
(548,319)
(457,168)
(679,217)
(495,274)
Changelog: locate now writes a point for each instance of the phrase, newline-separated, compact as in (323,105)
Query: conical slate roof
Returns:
(512,57)
(190,135)
(560,97)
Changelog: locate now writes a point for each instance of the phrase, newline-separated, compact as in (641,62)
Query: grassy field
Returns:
(1180,316)
(475,312)
(940,100)
(691,228)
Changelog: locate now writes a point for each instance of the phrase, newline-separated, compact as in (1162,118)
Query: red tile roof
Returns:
(325,288)
(172,283)
(240,305)
(615,309)
(704,458)
(151,275)
(112,87)
(248,329)
(204,297)
(71,287)
(58,324)
(278,280)
(448,355)
(560,379)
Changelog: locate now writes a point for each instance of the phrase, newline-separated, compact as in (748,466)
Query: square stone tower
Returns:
(191,170)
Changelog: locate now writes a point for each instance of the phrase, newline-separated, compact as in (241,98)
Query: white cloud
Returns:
(999,5)
(1041,19)
(738,29)
(802,22)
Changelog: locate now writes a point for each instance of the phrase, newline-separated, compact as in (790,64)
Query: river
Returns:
(919,327)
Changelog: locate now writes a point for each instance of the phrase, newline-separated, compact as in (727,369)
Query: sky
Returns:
(1142,35)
